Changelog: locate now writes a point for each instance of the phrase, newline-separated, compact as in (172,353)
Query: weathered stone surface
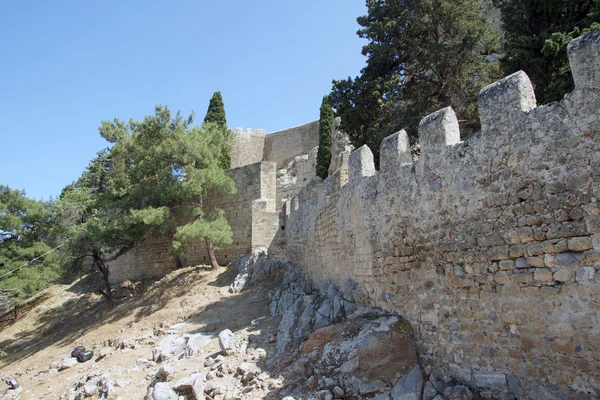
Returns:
(67,363)
(585,274)
(162,391)
(433,240)
(196,342)
(410,385)
(583,56)
(490,380)
(227,342)
(563,275)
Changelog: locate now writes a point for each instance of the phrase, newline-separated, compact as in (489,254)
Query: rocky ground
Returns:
(258,330)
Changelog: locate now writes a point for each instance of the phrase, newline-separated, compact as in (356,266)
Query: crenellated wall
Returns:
(490,247)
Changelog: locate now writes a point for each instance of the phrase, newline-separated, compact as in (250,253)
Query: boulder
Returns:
(77,350)
(227,341)
(196,342)
(162,391)
(84,356)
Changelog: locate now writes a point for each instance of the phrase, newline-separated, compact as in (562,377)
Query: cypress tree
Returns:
(216,115)
(325,125)
(216,110)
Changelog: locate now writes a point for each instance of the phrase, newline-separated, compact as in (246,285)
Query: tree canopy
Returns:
(27,238)
(537,34)
(422,55)
(152,181)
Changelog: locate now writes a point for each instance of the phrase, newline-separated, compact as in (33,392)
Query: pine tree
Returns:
(422,55)
(151,181)
(537,34)
(325,127)
(27,239)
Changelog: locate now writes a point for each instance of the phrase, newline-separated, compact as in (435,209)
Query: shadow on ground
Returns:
(85,311)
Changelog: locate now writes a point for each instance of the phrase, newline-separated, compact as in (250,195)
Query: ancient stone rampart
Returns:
(283,146)
(247,148)
(490,247)
(251,213)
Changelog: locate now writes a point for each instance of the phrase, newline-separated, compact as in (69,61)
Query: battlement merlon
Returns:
(250,131)
(502,103)
(361,164)
(584,53)
(438,130)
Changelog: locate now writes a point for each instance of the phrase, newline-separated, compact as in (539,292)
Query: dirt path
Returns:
(69,316)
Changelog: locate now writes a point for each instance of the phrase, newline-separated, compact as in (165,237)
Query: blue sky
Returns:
(67,65)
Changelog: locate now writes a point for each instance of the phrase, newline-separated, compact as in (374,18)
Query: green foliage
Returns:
(421,56)
(152,181)
(216,115)
(26,233)
(216,110)
(537,34)
(325,127)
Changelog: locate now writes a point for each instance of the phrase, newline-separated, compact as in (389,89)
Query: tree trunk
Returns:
(211,253)
(105,273)
(178,263)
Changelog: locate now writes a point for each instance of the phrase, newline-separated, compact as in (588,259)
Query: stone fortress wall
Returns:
(253,212)
(489,247)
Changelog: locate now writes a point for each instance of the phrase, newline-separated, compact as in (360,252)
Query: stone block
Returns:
(563,275)
(581,243)
(503,101)
(524,277)
(361,164)
(567,259)
(543,275)
(395,150)
(438,130)
(501,278)
(506,265)
(585,274)
(537,262)
(584,53)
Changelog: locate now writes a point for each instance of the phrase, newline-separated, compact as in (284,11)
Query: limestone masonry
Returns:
(489,247)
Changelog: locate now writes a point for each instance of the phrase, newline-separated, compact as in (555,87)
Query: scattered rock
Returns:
(84,356)
(227,341)
(195,343)
(66,363)
(458,393)
(77,350)
(162,391)
(338,392)
(89,390)
(142,362)
(193,384)
(409,386)
(12,383)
